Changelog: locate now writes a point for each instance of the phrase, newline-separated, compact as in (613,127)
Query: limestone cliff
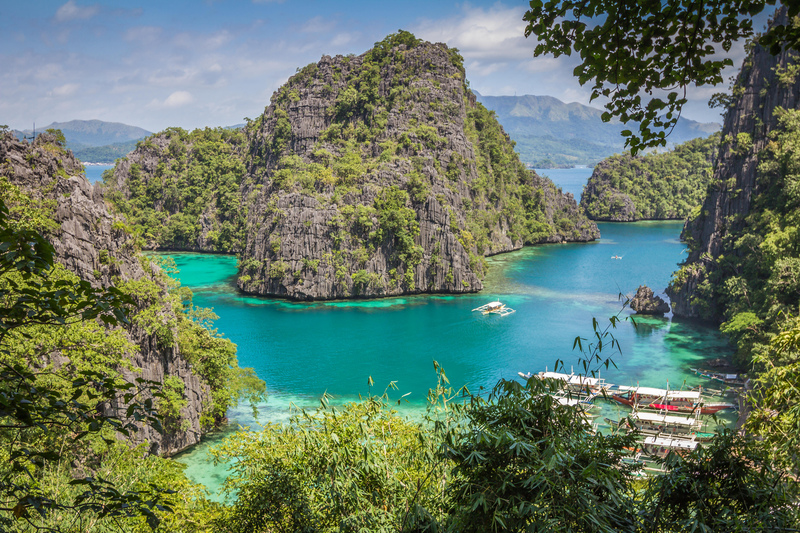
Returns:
(765,84)
(182,189)
(366,176)
(380,174)
(92,244)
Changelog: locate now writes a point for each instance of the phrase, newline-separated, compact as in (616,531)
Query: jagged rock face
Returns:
(375,175)
(645,303)
(620,205)
(91,245)
(747,125)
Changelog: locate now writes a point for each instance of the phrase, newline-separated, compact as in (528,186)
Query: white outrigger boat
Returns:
(667,400)
(663,424)
(659,447)
(574,382)
(496,308)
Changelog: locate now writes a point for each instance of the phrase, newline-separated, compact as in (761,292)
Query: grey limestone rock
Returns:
(646,303)
(310,242)
(735,185)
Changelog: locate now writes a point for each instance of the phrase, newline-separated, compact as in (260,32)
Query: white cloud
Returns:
(342,39)
(544,64)
(317,25)
(178,99)
(65,90)
(496,33)
(71,11)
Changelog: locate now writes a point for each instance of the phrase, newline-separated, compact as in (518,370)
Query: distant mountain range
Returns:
(95,141)
(550,133)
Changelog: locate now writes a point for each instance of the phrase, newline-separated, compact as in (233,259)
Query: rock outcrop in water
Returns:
(378,175)
(646,303)
(765,84)
(92,244)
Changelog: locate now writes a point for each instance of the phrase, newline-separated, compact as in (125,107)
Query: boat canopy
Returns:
(680,444)
(572,379)
(661,393)
(664,419)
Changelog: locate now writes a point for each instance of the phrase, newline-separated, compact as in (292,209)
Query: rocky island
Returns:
(657,186)
(366,176)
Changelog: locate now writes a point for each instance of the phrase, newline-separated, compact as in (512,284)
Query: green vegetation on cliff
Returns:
(754,284)
(656,186)
(78,357)
(182,189)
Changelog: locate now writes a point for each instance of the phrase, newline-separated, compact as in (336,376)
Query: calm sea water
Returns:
(94,173)
(570,180)
(303,350)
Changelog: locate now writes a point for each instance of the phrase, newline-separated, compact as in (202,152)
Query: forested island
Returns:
(657,186)
(369,176)
(366,176)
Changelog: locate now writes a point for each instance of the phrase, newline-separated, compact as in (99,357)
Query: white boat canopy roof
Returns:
(681,444)
(660,393)
(664,419)
(572,379)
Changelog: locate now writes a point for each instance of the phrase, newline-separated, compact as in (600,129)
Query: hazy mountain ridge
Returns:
(549,132)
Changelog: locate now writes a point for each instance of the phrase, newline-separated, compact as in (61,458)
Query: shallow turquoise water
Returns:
(306,349)
(303,350)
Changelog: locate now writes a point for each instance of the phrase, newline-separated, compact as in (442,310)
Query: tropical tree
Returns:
(642,56)
(53,410)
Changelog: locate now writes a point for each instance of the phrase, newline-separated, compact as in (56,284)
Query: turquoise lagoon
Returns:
(303,350)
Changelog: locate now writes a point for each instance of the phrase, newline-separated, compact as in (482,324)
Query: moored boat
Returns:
(496,308)
(667,400)
(731,380)
(662,424)
(659,447)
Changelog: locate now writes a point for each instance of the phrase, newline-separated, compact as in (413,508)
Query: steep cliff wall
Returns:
(664,186)
(380,175)
(91,243)
(717,273)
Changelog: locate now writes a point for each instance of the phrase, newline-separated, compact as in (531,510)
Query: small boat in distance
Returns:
(496,308)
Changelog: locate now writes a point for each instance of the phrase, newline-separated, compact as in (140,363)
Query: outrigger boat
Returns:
(667,400)
(731,380)
(497,308)
(661,423)
(659,447)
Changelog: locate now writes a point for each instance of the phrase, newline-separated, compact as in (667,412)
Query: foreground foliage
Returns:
(629,49)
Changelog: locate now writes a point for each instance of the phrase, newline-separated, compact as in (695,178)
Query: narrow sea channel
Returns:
(303,350)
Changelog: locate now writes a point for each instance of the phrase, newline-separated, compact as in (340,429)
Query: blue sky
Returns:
(211,63)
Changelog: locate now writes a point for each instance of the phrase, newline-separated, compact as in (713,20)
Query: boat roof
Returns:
(652,391)
(683,444)
(572,379)
(664,419)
